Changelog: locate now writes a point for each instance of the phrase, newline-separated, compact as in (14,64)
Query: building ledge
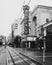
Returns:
(46,24)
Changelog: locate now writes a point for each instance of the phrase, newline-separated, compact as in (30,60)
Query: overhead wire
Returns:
(21,10)
(29,2)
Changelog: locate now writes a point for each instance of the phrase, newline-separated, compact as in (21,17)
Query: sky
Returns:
(11,10)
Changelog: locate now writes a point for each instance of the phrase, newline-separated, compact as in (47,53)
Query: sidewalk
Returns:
(34,55)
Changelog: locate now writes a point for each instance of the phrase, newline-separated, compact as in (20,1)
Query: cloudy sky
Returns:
(10,10)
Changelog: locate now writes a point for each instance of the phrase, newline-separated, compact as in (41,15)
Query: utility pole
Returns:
(44,48)
(12,33)
(5,42)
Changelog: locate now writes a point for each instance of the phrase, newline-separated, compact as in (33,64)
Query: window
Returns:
(34,18)
(29,31)
(47,20)
(29,24)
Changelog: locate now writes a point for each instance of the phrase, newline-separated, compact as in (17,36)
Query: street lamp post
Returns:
(5,42)
(44,48)
(44,52)
(12,33)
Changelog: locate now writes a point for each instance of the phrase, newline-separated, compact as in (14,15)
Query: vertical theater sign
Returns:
(26,19)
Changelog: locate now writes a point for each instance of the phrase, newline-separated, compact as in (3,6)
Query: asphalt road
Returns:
(36,55)
(14,58)
(9,56)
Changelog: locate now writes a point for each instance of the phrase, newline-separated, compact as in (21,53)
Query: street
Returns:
(19,56)
(9,56)
(17,59)
(37,55)
(25,32)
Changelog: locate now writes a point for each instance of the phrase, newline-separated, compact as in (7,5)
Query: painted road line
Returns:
(16,52)
(41,56)
(18,61)
(32,64)
(13,57)
(8,56)
(11,49)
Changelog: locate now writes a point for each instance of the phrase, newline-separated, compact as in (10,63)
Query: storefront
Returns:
(49,37)
(23,43)
(47,33)
(31,41)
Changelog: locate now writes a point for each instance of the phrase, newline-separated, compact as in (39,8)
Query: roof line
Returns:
(43,7)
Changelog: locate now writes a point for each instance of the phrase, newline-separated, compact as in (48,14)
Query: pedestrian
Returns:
(5,43)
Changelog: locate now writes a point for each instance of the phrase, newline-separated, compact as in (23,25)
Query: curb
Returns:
(30,59)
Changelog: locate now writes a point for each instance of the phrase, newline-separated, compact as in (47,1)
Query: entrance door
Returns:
(49,38)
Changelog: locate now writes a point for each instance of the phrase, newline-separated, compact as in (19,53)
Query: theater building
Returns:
(42,16)
(28,29)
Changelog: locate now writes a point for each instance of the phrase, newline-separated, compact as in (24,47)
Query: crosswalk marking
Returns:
(32,64)
(18,61)
(13,57)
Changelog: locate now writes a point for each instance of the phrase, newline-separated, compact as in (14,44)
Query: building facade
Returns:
(28,30)
(42,16)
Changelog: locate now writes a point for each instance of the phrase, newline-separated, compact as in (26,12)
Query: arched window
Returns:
(34,18)
(47,20)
